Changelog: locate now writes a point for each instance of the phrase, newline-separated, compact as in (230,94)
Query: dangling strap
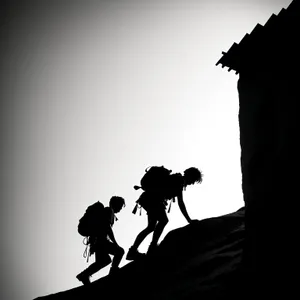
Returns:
(172,200)
(87,252)
(135,209)
(137,206)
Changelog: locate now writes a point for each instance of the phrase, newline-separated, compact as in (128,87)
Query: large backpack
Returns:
(155,178)
(91,222)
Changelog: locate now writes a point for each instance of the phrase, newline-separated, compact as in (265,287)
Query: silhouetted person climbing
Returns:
(102,242)
(154,201)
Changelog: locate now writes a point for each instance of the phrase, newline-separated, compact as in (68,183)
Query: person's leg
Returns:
(144,233)
(102,259)
(133,250)
(117,253)
(161,224)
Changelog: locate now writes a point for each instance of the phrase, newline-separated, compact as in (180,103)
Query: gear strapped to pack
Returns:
(156,181)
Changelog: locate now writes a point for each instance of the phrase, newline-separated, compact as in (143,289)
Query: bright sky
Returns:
(93,92)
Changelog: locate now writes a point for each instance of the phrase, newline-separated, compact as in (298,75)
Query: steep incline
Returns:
(198,261)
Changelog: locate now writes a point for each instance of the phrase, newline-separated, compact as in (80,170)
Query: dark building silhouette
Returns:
(267,62)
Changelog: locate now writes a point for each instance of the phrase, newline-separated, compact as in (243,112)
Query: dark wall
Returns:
(269,131)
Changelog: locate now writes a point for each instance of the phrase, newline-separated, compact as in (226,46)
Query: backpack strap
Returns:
(172,200)
(137,206)
(87,251)
(135,209)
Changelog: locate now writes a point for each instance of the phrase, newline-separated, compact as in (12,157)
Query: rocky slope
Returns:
(198,261)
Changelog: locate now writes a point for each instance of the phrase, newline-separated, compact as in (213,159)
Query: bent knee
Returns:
(120,251)
(150,227)
(102,260)
(164,221)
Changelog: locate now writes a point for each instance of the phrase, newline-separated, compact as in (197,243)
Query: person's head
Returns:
(192,175)
(116,203)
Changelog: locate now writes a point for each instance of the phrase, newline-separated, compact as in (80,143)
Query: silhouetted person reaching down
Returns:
(155,203)
(102,241)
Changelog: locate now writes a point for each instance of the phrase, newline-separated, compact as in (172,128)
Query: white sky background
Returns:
(93,92)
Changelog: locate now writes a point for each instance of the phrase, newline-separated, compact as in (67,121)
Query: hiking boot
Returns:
(85,279)
(134,254)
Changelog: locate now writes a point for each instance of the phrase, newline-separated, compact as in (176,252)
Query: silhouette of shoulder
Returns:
(175,185)
(176,181)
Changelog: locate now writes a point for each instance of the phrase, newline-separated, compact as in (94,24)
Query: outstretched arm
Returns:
(183,208)
(109,215)
(111,235)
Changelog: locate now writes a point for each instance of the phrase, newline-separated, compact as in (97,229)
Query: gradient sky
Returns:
(92,93)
